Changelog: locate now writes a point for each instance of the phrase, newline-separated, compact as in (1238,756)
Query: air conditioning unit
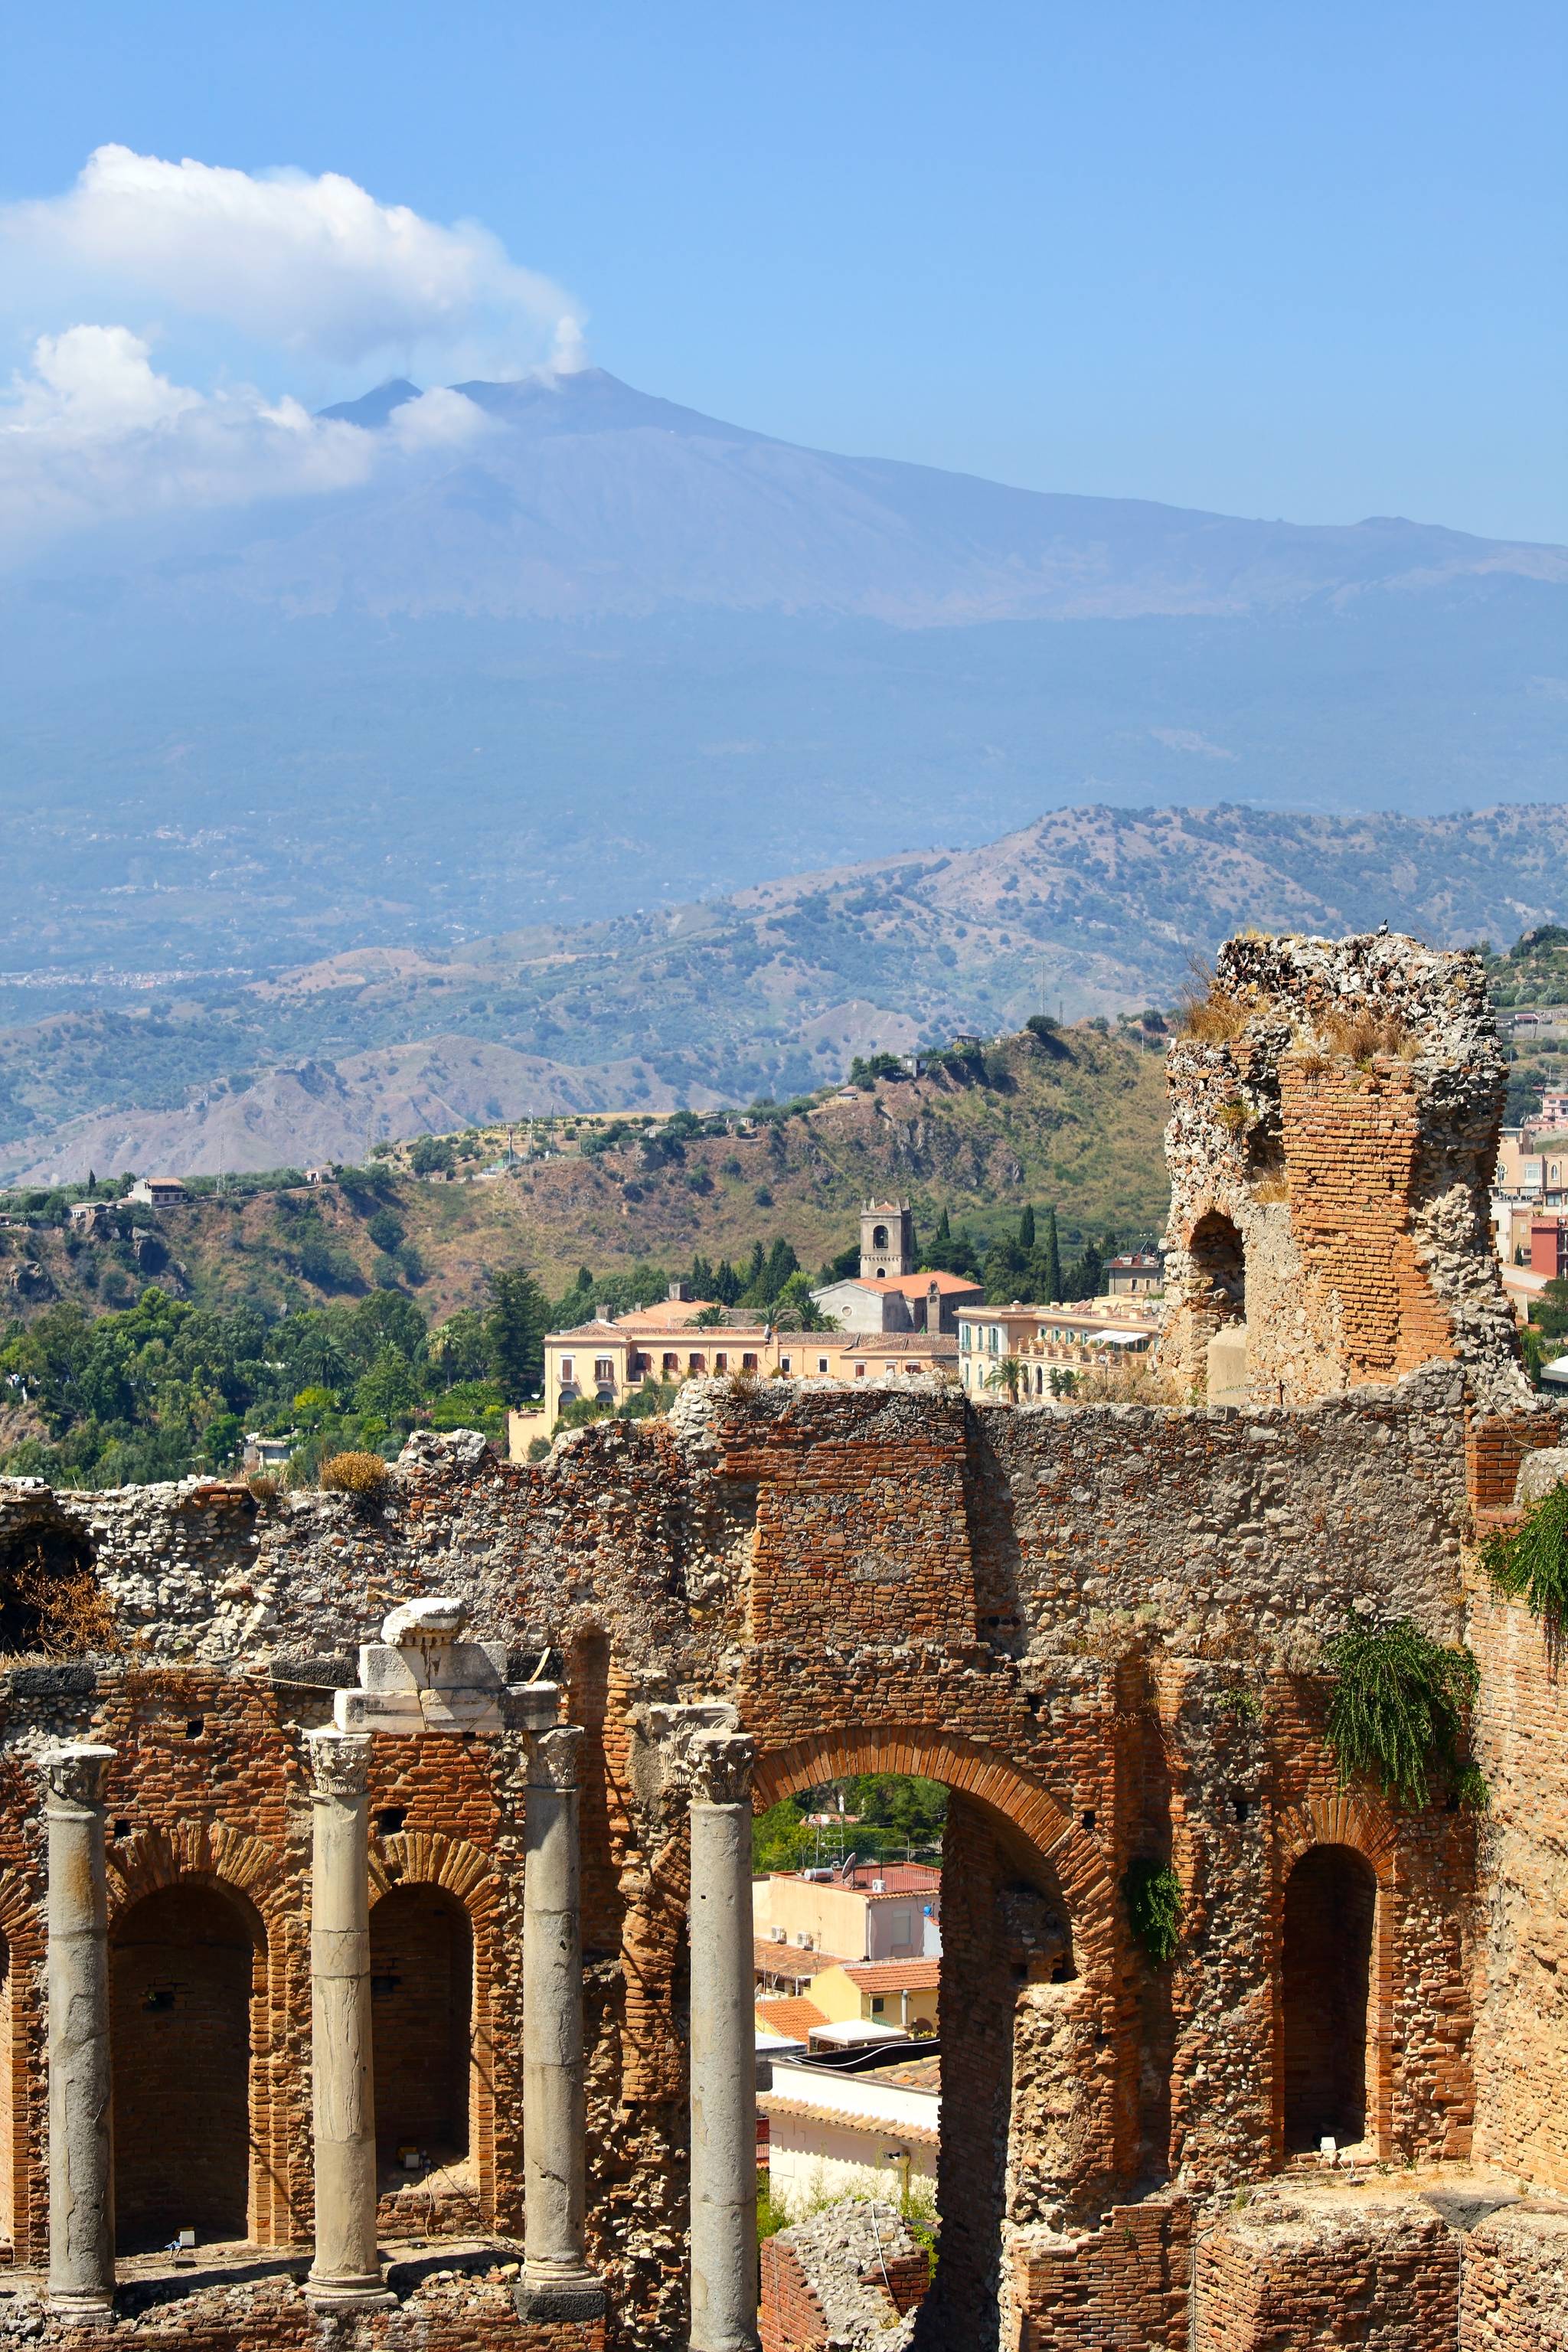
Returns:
(778,1934)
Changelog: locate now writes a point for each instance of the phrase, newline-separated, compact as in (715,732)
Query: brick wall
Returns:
(1301,2282)
(1122,2287)
(791,2318)
(1514,2288)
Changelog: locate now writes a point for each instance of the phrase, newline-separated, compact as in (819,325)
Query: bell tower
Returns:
(887,1239)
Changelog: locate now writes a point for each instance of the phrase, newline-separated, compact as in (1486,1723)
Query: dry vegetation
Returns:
(1131,1379)
(1207,1012)
(1357,1034)
(363,1475)
(72,1616)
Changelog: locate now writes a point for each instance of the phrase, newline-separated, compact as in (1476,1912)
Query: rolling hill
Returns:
(771,991)
(1074,1120)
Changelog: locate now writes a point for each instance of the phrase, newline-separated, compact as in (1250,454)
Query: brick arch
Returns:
(1367,1826)
(21,1924)
(1349,1817)
(428,1858)
(412,1858)
(204,1853)
(1016,1796)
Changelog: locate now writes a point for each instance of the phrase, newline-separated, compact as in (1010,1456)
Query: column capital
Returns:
(719,1766)
(554,1757)
(700,1751)
(530,1706)
(339,1762)
(73,1773)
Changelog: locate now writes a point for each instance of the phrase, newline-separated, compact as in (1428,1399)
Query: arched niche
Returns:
(186,1964)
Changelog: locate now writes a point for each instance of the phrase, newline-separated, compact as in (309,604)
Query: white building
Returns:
(867,2127)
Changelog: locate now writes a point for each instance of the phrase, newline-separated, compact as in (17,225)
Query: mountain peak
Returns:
(372,408)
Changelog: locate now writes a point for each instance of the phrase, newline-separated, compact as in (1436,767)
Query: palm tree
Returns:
(1009,1373)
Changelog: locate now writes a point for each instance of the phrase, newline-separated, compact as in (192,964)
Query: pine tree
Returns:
(782,1262)
(514,1328)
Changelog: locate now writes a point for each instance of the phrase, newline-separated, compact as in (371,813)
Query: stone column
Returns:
(81,2177)
(346,2271)
(556,2282)
(723,2048)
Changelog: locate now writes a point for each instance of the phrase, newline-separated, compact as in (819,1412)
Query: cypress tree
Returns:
(1052,1267)
(1027,1228)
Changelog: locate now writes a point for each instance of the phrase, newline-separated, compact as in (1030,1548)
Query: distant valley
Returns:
(771,991)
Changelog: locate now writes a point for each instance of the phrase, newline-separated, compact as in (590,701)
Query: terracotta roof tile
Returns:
(794,2019)
(895,1976)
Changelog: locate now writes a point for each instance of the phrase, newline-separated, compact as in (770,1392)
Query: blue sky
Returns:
(1272,260)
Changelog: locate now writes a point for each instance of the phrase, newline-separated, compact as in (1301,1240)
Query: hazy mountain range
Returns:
(772,990)
(595,652)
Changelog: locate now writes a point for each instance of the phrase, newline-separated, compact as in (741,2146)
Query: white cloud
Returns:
(315,269)
(311,266)
(92,434)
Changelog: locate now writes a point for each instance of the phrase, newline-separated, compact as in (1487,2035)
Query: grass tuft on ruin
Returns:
(1530,1563)
(364,1475)
(1397,1708)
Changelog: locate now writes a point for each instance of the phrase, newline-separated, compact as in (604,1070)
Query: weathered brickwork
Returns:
(1293,2279)
(1101,1626)
(847,2279)
(1332,1138)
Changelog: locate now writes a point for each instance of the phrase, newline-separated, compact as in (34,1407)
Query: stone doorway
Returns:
(1330,1905)
(422,2000)
(185,1963)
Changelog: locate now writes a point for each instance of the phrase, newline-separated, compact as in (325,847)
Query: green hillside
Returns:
(140,1347)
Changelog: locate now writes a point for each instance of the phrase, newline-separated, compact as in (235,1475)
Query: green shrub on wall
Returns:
(1530,1563)
(1397,1709)
(1152,1893)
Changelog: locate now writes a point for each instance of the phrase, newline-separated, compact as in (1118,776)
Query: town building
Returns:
(888,1294)
(158,1192)
(898,1302)
(887,1239)
(1137,1275)
(1047,1341)
(889,1911)
(865,2121)
(903,1994)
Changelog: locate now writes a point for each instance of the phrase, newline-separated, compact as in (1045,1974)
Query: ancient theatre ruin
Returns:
(418,1824)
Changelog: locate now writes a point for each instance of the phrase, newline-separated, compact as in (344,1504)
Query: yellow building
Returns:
(900,1993)
(1091,1331)
(612,1357)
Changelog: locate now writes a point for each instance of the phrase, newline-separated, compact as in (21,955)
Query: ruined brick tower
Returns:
(1334,1115)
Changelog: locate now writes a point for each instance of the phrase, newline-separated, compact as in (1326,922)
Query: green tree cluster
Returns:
(159,1389)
